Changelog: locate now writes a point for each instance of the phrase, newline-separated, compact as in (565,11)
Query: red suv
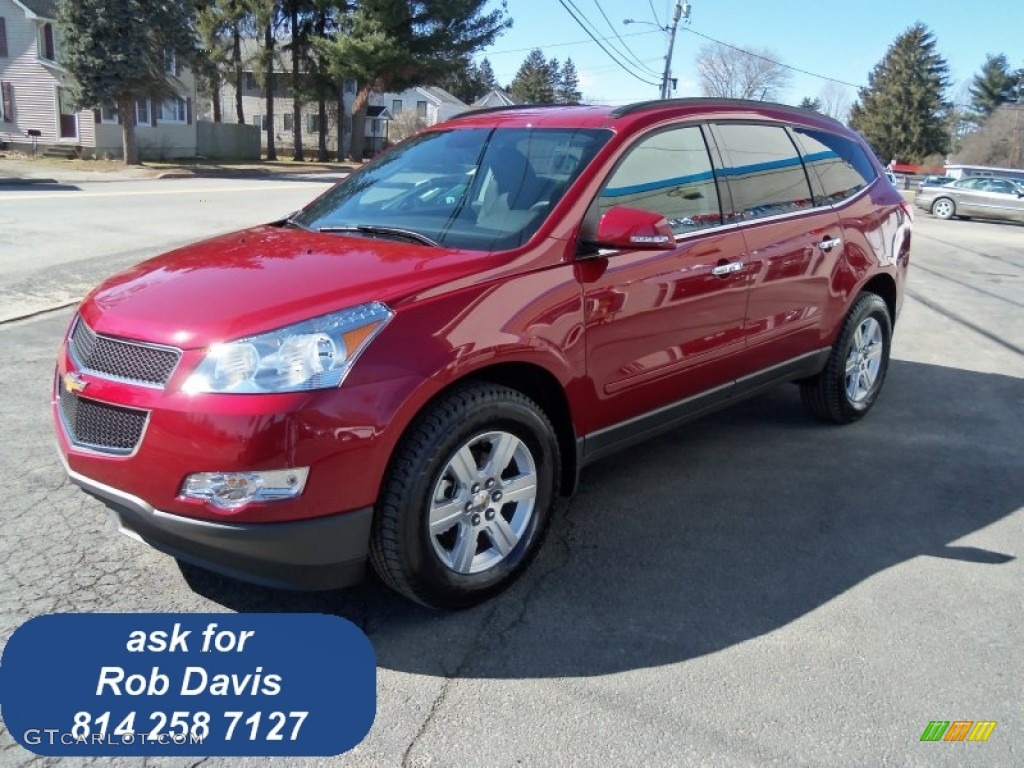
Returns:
(413,368)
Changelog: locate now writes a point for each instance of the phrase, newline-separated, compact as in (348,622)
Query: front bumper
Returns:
(321,553)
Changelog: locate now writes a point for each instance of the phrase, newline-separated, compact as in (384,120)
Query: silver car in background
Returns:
(985,198)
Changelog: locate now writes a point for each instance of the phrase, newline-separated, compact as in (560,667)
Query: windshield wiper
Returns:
(397,233)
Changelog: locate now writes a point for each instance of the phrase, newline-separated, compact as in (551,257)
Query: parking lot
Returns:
(755,588)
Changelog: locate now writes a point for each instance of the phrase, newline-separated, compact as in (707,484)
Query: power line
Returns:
(654,12)
(610,55)
(772,61)
(624,45)
(558,45)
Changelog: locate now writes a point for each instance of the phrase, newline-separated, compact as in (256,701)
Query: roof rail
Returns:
(640,106)
(509,108)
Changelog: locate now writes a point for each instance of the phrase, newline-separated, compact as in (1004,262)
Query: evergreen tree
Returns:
(487,77)
(534,83)
(392,44)
(117,51)
(569,84)
(902,113)
(995,86)
(466,82)
(812,104)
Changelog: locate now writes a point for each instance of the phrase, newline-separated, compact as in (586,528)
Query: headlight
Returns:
(314,354)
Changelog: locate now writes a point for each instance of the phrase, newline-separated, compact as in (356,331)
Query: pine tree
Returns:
(390,45)
(902,112)
(487,77)
(534,83)
(117,49)
(569,84)
(995,86)
(812,104)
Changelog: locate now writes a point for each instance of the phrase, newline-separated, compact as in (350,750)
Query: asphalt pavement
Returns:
(756,588)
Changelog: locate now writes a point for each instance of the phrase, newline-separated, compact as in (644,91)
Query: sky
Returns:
(843,41)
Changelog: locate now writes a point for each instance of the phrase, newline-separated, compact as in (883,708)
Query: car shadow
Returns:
(37,185)
(724,530)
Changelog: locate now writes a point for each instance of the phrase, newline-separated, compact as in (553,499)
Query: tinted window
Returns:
(765,174)
(477,188)
(840,164)
(667,173)
(997,185)
(970,184)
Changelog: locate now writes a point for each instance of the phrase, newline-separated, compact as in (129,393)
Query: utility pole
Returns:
(682,9)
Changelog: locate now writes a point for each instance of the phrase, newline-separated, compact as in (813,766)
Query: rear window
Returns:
(841,165)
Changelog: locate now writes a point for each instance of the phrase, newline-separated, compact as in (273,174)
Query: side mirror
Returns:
(633,229)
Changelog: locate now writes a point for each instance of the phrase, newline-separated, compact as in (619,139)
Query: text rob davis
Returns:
(188,684)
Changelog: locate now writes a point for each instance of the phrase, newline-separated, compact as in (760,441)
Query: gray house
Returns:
(36,104)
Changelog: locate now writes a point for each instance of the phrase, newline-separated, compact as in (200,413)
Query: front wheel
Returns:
(944,208)
(849,385)
(468,498)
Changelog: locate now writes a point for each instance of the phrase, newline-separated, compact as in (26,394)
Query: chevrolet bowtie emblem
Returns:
(74,383)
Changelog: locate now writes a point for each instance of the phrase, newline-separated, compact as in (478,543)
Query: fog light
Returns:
(231,490)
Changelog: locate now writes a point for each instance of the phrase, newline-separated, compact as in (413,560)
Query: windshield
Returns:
(476,188)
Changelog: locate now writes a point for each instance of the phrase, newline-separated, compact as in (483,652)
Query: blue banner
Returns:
(188,684)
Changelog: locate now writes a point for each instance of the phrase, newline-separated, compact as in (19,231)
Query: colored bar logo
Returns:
(958,730)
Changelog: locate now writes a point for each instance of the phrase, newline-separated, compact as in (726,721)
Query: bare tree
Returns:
(835,100)
(998,141)
(406,123)
(730,73)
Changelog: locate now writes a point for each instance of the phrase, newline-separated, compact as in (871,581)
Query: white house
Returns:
(36,109)
(432,104)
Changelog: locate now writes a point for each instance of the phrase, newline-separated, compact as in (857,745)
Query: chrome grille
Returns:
(129,361)
(101,426)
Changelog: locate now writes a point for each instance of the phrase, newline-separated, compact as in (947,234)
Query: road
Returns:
(58,240)
(756,588)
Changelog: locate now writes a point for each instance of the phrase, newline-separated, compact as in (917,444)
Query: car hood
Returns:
(265,278)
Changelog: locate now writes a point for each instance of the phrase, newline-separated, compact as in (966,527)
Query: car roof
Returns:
(637,115)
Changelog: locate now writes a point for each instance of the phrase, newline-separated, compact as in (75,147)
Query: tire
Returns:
(447,532)
(944,208)
(853,376)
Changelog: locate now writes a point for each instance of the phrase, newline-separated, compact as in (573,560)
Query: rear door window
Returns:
(669,173)
(766,176)
(840,165)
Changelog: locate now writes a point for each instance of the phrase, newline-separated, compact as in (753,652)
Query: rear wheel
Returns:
(468,498)
(944,208)
(849,385)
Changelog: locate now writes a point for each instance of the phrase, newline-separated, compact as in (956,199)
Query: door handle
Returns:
(726,268)
(829,243)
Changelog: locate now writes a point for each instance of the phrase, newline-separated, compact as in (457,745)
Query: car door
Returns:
(969,195)
(793,244)
(664,328)
(1000,200)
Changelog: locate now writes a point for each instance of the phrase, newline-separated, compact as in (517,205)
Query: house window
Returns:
(108,114)
(396,107)
(142,114)
(46,47)
(421,110)
(173,111)
(260,121)
(6,103)
(313,123)
(3,38)
(250,81)
(170,63)
(289,121)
